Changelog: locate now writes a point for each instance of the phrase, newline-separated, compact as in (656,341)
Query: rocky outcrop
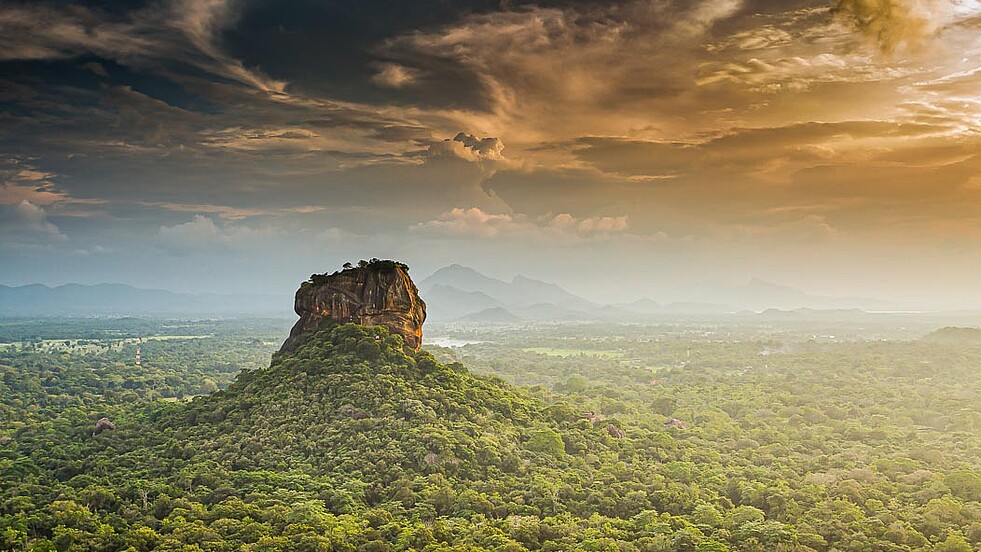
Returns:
(376,293)
(615,431)
(104,424)
(676,423)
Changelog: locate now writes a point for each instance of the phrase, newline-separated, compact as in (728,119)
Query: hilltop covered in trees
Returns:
(374,264)
(954,334)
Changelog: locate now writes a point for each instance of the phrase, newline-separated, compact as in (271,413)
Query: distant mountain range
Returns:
(493,315)
(760,295)
(126,300)
(457,292)
(454,292)
(445,302)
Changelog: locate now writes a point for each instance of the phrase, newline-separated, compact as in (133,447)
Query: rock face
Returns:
(676,423)
(103,424)
(376,293)
(615,431)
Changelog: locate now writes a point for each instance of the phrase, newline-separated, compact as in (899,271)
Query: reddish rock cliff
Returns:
(379,293)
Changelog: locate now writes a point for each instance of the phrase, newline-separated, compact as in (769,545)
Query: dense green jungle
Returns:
(689,436)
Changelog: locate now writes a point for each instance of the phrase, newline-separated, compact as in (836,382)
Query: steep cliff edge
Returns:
(376,293)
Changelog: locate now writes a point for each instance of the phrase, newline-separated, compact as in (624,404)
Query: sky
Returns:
(621,149)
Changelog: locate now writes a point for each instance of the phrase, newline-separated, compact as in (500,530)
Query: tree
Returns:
(955,542)
(546,441)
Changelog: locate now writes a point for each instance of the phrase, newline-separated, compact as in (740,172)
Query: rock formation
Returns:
(376,293)
(676,423)
(615,431)
(102,425)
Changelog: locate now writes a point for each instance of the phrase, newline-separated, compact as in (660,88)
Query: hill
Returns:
(455,291)
(493,315)
(365,407)
(955,335)
(465,279)
(446,302)
(350,431)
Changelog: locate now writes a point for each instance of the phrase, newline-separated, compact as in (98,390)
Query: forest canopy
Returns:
(353,443)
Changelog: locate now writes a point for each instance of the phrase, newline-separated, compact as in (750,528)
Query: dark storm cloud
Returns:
(75,69)
(335,48)
(152,78)
(173,124)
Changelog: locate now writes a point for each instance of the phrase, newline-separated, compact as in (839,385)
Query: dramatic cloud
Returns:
(26,226)
(830,131)
(778,153)
(469,147)
(14,191)
(202,234)
(394,76)
(42,32)
(184,30)
(892,23)
(21,183)
(548,70)
(484,147)
(474,222)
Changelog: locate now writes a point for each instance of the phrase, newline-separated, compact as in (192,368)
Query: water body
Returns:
(450,342)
